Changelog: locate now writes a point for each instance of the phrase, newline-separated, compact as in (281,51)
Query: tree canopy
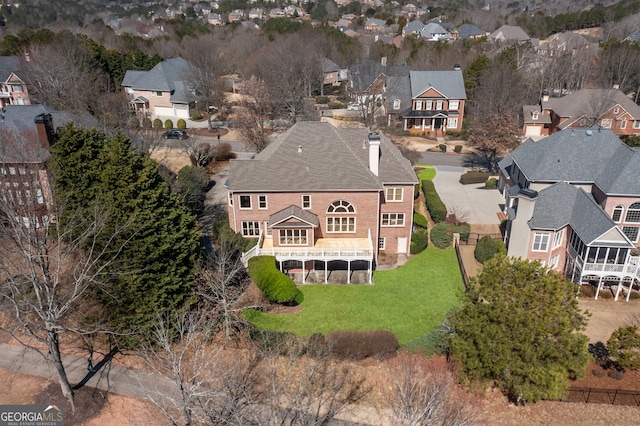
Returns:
(157,265)
(520,326)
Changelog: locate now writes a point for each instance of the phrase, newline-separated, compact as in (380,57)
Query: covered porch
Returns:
(426,121)
(326,260)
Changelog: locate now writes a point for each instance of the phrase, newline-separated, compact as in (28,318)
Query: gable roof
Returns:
(593,155)
(365,73)
(315,156)
(509,32)
(398,88)
(167,76)
(431,29)
(293,215)
(413,27)
(329,66)
(450,83)
(564,204)
(577,104)
(470,30)
(8,66)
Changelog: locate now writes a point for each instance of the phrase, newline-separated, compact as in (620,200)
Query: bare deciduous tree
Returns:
(425,392)
(493,135)
(254,113)
(48,267)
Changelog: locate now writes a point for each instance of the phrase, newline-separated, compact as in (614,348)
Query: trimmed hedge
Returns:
(436,207)
(358,345)
(457,149)
(134,122)
(168,124)
(419,220)
(485,249)
(182,124)
(146,123)
(474,177)
(157,123)
(322,100)
(491,183)
(442,147)
(336,105)
(442,233)
(276,286)
(419,240)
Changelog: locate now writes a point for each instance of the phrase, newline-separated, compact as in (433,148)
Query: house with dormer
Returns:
(164,92)
(572,202)
(321,198)
(608,108)
(437,102)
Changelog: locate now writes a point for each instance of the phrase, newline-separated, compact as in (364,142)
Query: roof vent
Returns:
(299,149)
(456,67)
(573,132)
(589,132)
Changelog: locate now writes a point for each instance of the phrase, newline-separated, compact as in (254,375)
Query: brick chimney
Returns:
(44,127)
(374,152)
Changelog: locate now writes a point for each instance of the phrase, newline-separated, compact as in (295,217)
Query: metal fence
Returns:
(475,237)
(603,396)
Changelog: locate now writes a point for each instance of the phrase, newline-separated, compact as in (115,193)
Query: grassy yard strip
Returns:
(428,173)
(409,301)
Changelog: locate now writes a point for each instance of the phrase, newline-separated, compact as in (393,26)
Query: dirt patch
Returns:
(607,316)
(172,158)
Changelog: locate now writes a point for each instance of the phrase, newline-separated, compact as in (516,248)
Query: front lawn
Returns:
(428,172)
(409,301)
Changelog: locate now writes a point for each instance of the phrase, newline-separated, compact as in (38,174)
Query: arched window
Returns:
(633,213)
(336,222)
(617,213)
(341,206)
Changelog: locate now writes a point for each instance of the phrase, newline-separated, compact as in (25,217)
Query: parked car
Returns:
(354,106)
(175,134)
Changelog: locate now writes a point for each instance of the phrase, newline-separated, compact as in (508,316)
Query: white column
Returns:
(325,271)
(598,289)
(615,299)
(304,273)
(348,272)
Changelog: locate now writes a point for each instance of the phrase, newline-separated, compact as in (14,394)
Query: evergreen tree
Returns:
(157,266)
(520,326)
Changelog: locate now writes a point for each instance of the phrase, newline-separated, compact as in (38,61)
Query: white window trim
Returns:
(394,191)
(452,122)
(636,124)
(637,233)
(454,105)
(635,211)
(240,202)
(265,202)
(558,238)
(382,242)
(623,124)
(544,238)
(302,201)
(250,231)
(607,123)
(395,217)
(341,219)
(613,213)
(303,235)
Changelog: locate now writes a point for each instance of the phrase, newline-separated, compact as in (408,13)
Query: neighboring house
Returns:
(367,79)
(398,98)
(632,38)
(471,31)
(413,27)
(437,102)
(573,203)
(320,198)
(609,108)
(567,42)
(374,25)
(163,92)
(509,34)
(235,15)
(26,135)
(13,88)
(433,31)
(215,19)
(333,74)
(256,13)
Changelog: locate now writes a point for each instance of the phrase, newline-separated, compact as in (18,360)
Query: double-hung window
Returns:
(540,241)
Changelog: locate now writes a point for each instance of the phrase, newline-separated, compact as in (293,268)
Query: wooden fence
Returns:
(603,396)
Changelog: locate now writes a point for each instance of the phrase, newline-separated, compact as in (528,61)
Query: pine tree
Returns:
(520,326)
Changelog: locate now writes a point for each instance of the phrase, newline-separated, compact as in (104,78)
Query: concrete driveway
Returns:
(470,202)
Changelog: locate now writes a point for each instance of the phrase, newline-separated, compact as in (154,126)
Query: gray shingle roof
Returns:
(579,103)
(563,204)
(572,155)
(470,30)
(293,214)
(398,88)
(365,73)
(315,156)
(167,76)
(8,65)
(450,83)
(509,32)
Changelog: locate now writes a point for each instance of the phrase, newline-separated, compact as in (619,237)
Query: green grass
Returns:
(409,301)
(428,173)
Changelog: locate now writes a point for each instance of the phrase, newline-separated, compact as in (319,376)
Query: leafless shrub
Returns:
(357,345)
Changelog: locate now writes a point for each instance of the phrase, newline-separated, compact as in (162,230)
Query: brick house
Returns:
(609,108)
(162,92)
(13,90)
(573,203)
(437,102)
(321,198)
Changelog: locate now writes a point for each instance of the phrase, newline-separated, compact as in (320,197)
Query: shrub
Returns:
(157,123)
(322,100)
(491,183)
(335,105)
(182,124)
(168,124)
(196,115)
(453,133)
(442,233)
(358,345)
(436,207)
(435,342)
(277,342)
(598,372)
(276,286)
(473,177)
(442,147)
(616,374)
(457,149)
(624,346)
(146,123)
(419,220)
(419,240)
(134,122)
(222,152)
(485,249)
